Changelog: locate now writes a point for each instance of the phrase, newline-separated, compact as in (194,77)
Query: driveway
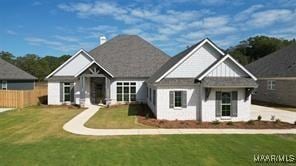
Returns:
(267,112)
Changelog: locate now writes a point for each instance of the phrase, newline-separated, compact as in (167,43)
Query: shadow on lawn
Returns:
(139,110)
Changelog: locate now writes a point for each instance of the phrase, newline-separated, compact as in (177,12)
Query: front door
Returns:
(97,93)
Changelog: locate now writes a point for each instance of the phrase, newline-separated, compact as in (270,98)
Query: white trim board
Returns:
(69,60)
(221,61)
(188,55)
(93,62)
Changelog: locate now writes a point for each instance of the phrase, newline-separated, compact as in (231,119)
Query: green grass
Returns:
(34,136)
(120,117)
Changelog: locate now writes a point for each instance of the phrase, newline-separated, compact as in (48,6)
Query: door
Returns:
(97,93)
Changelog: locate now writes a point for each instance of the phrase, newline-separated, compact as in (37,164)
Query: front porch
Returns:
(94,84)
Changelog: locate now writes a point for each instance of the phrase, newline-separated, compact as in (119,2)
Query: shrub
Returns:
(295,122)
(250,122)
(216,122)
(259,117)
(277,120)
(230,123)
(147,116)
(272,117)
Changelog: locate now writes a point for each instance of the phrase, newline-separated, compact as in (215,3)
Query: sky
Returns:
(55,27)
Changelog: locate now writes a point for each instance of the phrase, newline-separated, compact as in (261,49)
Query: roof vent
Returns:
(103,39)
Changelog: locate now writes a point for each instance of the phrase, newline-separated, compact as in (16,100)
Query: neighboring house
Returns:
(200,83)
(276,77)
(13,78)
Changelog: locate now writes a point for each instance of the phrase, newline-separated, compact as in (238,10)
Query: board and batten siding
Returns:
(74,66)
(209,106)
(191,112)
(196,63)
(227,69)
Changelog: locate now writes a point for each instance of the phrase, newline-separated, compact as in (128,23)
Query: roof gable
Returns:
(11,72)
(175,61)
(129,56)
(222,60)
(74,64)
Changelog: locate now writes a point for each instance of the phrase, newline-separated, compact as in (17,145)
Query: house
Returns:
(276,75)
(13,78)
(200,83)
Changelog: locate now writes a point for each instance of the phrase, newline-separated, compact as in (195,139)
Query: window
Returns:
(178,99)
(4,85)
(226,103)
(126,91)
(271,84)
(67,91)
(154,97)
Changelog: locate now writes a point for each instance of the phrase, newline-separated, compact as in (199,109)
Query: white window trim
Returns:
(226,117)
(4,82)
(177,108)
(67,93)
(271,84)
(129,90)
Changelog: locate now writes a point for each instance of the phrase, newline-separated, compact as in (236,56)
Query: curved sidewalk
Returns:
(76,126)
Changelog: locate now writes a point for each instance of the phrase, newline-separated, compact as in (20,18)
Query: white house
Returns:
(200,83)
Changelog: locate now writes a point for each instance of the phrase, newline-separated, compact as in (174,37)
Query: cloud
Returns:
(247,12)
(11,32)
(36,3)
(61,44)
(172,27)
(269,17)
(66,38)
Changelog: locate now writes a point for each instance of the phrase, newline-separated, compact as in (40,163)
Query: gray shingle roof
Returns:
(62,78)
(228,82)
(129,56)
(176,81)
(281,63)
(11,72)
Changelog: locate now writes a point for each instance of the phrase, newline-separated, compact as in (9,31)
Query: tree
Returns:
(257,47)
(7,56)
(40,67)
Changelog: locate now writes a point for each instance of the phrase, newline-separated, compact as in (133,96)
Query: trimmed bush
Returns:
(250,122)
(230,123)
(216,122)
(259,117)
(277,120)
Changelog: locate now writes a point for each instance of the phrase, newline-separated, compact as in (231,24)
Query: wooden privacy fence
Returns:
(22,98)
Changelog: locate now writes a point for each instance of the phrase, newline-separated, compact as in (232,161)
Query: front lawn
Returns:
(34,136)
(120,117)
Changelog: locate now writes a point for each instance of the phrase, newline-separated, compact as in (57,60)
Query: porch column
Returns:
(82,91)
(107,90)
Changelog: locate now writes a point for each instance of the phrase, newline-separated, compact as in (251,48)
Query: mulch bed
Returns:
(145,117)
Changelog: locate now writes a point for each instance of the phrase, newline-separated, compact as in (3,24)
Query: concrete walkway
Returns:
(267,112)
(6,109)
(76,126)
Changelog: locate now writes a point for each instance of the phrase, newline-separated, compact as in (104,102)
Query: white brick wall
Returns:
(189,113)
(195,103)
(140,89)
(209,106)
